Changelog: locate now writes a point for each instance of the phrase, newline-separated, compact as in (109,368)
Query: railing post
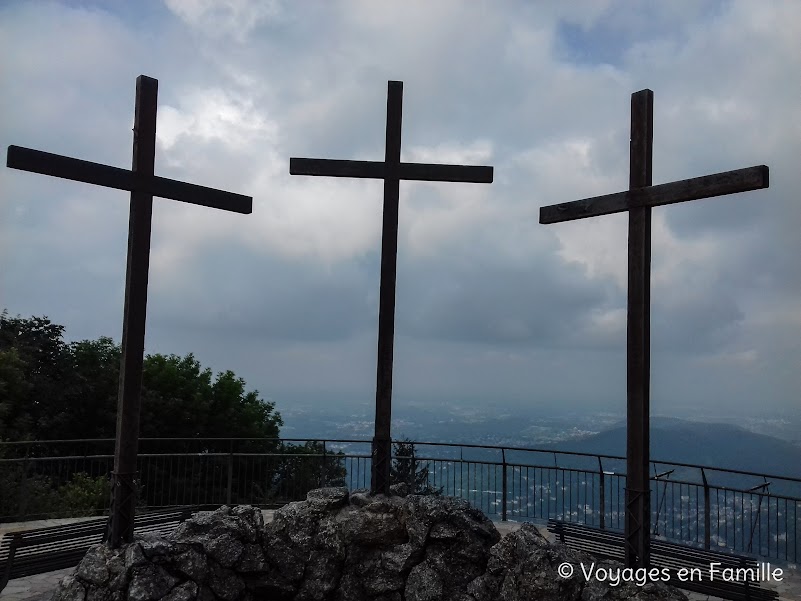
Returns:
(707,518)
(602,498)
(324,470)
(230,472)
(758,519)
(22,499)
(503,485)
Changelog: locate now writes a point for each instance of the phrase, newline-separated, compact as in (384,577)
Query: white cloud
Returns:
(236,18)
(212,115)
(478,152)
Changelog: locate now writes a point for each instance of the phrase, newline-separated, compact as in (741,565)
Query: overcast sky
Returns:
(493,309)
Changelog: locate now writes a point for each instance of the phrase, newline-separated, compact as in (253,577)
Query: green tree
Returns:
(407,468)
(84,495)
(33,370)
(181,399)
(53,390)
(14,390)
(302,468)
(87,407)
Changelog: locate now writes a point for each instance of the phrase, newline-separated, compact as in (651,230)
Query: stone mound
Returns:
(345,547)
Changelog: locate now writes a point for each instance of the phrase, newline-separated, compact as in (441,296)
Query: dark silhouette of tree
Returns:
(408,469)
(302,468)
(33,369)
(52,390)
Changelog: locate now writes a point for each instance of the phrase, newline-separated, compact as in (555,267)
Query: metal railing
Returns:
(704,506)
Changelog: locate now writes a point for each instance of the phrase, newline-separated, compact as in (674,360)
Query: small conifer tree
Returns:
(407,468)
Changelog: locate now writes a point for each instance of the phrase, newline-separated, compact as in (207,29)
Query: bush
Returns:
(28,498)
(84,496)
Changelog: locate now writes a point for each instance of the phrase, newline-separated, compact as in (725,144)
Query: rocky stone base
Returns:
(345,547)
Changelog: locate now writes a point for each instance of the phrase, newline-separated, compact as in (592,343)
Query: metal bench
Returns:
(609,544)
(40,550)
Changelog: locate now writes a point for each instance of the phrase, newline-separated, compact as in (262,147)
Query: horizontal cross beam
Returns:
(377,170)
(707,186)
(37,161)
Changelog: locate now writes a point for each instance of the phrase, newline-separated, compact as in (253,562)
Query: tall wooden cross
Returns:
(143,186)
(391,170)
(638,201)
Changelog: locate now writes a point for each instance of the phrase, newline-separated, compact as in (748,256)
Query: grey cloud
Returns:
(697,323)
(267,298)
(485,302)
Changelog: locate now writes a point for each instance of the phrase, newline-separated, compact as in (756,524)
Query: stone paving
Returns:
(40,587)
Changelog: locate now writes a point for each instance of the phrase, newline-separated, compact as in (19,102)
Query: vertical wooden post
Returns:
(382,442)
(638,505)
(133,325)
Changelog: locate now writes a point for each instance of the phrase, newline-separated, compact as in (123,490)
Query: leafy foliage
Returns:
(33,365)
(84,495)
(302,468)
(53,390)
(33,496)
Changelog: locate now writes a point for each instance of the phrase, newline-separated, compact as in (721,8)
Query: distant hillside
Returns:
(720,445)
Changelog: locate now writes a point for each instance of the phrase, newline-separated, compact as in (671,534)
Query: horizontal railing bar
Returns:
(59,458)
(420,443)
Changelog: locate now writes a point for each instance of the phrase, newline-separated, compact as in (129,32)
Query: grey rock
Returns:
(401,489)
(252,560)
(443,531)
(225,549)
(226,584)
(524,566)
(134,556)
(119,576)
(345,547)
(102,594)
(222,533)
(360,498)
(70,589)
(369,527)
(150,582)
(401,558)
(154,545)
(329,498)
(204,594)
(287,561)
(94,566)
(192,564)
(186,591)
(382,582)
(423,584)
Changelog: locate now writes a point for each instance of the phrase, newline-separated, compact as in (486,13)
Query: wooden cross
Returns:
(638,201)
(143,186)
(391,170)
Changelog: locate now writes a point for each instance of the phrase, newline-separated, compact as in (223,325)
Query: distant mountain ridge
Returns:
(720,445)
